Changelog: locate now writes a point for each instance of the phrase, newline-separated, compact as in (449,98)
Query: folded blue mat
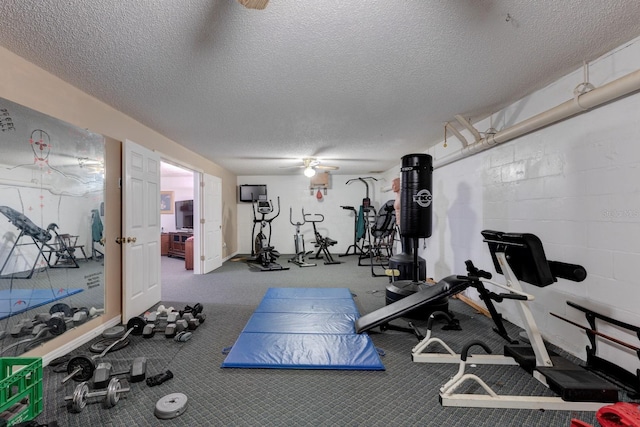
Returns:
(17,301)
(304,328)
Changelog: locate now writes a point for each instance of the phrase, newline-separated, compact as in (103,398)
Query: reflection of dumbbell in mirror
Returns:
(111,395)
(41,322)
(75,316)
(81,368)
(53,326)
(104,372)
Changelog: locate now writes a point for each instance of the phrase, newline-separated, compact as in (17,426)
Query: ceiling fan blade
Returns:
(330,168)
(254,4)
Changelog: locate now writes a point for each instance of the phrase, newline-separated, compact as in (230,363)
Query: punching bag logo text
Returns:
(423,198)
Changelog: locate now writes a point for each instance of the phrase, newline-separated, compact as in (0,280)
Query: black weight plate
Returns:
(87,367)
(61,308)
(100,346)
(137,324)
(57,326)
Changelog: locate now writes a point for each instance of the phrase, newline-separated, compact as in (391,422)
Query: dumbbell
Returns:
(167,314)
(193,323)
(137,372)
(148,330)
(195,310)
(76,315)
(81,394)
(55,326)
(81,368)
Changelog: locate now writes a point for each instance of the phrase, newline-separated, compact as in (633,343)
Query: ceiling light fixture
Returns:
(309,171)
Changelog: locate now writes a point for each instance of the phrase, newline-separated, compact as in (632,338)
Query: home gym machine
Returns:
(263,255)
(519,257)
(359,223)
(322,243)
(298,240)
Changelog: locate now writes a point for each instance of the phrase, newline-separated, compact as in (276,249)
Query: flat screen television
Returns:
(184,214)
(251,193)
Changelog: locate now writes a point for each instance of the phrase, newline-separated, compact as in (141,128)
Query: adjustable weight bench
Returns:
(446,287)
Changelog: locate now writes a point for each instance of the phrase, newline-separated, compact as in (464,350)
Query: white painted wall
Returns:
(576,185)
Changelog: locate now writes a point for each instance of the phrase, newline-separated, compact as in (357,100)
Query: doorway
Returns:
(179,217)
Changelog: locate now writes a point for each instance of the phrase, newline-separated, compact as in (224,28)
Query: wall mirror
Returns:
(51,227)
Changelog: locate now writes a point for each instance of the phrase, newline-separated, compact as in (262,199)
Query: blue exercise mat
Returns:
(304,328)
(16,301)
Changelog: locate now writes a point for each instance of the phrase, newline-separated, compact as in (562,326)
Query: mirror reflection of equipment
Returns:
(51,173)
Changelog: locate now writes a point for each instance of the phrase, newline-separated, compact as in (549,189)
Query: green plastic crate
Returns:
(20,378)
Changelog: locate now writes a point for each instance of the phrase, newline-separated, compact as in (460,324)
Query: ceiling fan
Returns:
(254,4)
(310,165)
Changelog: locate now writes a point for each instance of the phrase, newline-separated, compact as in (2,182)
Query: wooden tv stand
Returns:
(177,240)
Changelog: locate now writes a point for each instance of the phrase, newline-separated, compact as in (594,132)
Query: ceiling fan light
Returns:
(309,171)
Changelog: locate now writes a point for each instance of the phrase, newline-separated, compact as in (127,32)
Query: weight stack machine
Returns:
(416,202)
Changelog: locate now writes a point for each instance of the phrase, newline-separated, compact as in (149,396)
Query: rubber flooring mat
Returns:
(304,328)
(15,301)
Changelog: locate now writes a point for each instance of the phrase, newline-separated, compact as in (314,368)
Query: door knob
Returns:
(131,239)
(119,240)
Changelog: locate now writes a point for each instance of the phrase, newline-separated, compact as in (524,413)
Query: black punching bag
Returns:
(415,196)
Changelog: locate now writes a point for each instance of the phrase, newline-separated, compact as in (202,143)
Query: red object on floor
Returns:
(578,423)
(621,414)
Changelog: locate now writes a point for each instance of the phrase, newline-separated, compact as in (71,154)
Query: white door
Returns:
(211,220)
(141,230)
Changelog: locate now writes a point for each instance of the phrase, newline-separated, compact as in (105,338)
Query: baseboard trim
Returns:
(77,342)
(227,258)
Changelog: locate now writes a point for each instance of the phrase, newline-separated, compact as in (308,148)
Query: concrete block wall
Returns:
(576,185)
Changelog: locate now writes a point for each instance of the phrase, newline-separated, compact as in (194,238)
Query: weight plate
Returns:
(171,406)
(137,324)
(61,308)
(114,332)
(86,366)
(100,346)
(57,326)
(80,397)
(113,394)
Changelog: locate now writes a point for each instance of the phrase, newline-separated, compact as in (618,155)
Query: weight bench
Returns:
(521,257)
(446,287)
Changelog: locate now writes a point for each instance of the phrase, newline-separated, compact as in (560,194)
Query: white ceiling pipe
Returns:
(465,123)
(457,133)
(619,88)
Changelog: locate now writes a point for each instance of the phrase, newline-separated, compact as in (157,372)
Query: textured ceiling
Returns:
(357,84)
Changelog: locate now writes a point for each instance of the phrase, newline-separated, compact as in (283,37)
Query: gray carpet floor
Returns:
(406,393)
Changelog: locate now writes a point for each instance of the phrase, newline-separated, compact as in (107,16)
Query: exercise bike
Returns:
(298,240)
(262,253)
(322,243)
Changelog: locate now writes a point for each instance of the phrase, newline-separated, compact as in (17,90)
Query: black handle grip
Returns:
(465,349)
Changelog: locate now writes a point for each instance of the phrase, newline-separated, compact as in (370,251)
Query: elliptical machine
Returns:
(262,253)
(298,240)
